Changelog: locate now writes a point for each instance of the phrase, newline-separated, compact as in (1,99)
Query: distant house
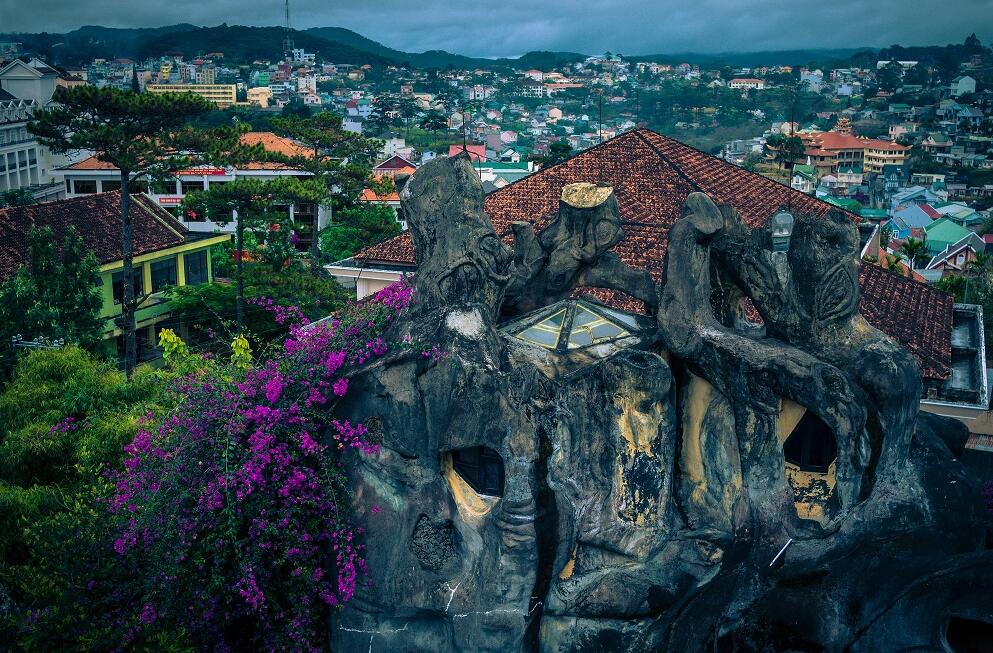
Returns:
(957,256)
(961,85)
(394,166)
(804,178)
(476,152)
(914,195)
(165,254)
(912,221)
(746,82)
(942,233)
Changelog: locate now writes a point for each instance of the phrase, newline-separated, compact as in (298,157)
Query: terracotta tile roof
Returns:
(368,195)
(396,162)
(96,218)
(476,152)
(652,176)
(269,140)
(916,315)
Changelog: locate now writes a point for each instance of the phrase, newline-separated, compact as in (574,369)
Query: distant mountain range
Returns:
(242,44)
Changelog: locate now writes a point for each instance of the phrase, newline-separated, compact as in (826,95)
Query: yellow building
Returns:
(260,96)
(223,95)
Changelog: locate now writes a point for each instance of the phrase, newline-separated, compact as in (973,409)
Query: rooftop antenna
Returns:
(287,39)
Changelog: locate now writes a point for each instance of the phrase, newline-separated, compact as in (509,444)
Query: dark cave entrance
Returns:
(811,446)
(964,635)
(481,468)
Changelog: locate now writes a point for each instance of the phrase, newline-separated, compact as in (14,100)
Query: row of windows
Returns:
(164,273)
(89,186)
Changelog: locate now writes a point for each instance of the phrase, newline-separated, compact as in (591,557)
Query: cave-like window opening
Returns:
(811,446)
(969,635)
(481,468)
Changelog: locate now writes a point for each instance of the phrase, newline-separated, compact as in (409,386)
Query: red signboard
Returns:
(170,200)
(203,172)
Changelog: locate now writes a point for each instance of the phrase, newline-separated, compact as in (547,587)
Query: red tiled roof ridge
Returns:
(652,175)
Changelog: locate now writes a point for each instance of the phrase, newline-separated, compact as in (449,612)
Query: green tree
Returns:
(65,418)
(17,197)
(915,250)
(558,151)
(255,202)
(407,109)
(145,137)
(380,118)
(358,227)
(339,160)
(55,296)
(206,308)
(434,121)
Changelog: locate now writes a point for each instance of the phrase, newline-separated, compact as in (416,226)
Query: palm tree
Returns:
(915,249)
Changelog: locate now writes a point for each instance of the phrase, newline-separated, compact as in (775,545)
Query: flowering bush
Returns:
(235,506)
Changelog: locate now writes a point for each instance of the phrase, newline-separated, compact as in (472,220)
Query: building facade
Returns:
(223,95)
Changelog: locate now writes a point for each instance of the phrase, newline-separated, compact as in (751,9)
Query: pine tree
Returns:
(253,205)
(146,137)
(339,160)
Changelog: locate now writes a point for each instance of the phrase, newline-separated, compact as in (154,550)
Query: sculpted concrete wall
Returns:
(686,487)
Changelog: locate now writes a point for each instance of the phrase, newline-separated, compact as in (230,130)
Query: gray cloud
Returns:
(513,27)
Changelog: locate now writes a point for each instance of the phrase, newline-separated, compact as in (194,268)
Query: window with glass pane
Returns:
(191,186)
(163,274)
(545,333)
(588,328)
(84,186)
(196,268)
(481,468)
(107,186)
(118,284)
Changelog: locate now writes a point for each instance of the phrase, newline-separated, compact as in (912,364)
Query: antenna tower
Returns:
(287,39)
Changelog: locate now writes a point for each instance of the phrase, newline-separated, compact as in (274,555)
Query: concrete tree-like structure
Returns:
(546,488)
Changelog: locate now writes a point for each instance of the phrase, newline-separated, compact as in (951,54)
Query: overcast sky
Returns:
(512,27)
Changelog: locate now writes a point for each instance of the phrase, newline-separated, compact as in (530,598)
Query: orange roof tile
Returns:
(269,140)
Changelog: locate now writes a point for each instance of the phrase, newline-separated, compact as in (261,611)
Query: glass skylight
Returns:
(577,325)
(545,333)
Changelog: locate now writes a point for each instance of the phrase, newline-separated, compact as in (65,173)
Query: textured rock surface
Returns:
(647,504)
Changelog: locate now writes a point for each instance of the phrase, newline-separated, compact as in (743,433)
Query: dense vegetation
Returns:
(188,508)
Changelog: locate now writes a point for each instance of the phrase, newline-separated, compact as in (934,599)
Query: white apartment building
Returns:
(24,88)
(93,176)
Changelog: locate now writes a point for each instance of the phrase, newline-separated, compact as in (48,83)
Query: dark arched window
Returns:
(481,468)
(811,446)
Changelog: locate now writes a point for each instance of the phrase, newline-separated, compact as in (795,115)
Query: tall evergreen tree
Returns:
(253,204)
(145,137)
(55,296)
(338,159)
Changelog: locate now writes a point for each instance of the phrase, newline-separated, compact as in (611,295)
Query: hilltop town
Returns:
(307,343)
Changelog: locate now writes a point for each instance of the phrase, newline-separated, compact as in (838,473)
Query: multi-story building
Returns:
(91,176)
(20,157)
(223,95)
(24,163)
(745,82)
(165,254)
(851,151)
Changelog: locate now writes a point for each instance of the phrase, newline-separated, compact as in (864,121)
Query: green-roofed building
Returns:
(852,206)
(874,215)
(943,232)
